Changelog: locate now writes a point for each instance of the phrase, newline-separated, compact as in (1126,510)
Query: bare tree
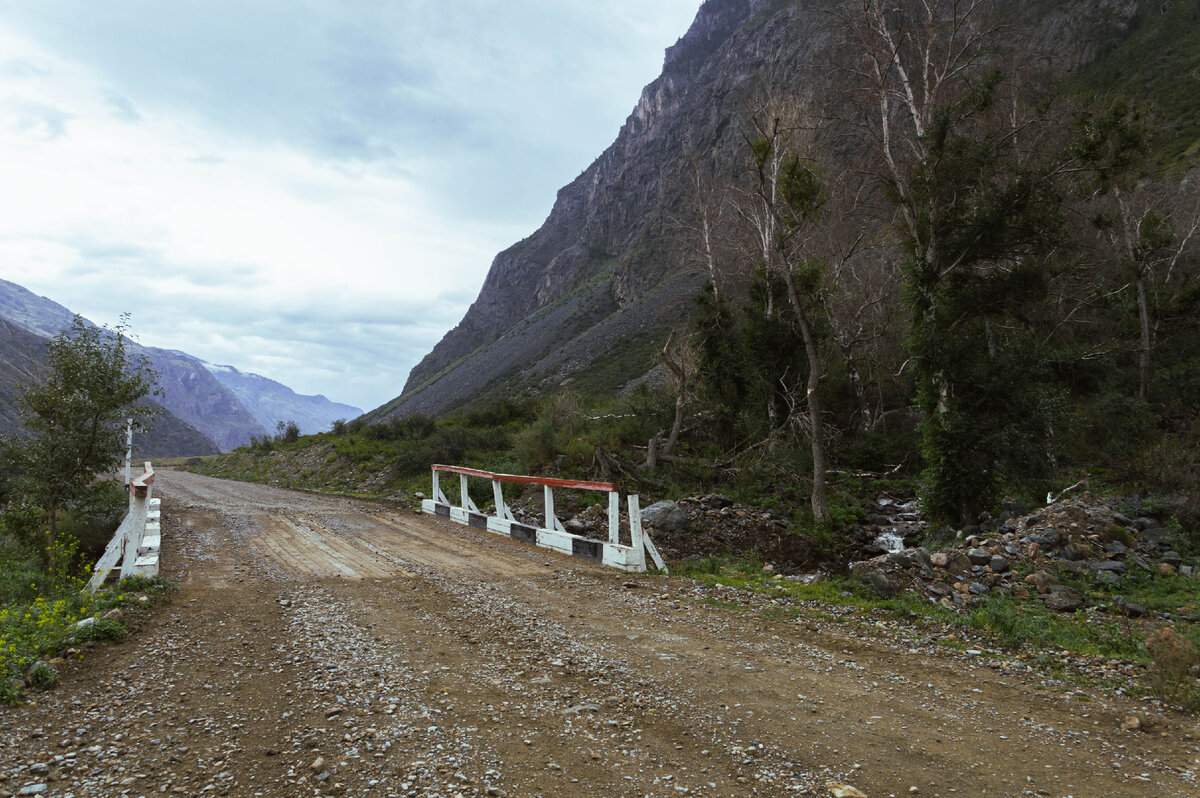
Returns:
(783,197)
(702,222)
(1151,227)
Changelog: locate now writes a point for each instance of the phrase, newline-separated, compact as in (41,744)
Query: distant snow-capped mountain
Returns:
(271,402)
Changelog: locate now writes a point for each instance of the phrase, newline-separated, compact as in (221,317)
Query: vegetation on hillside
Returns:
(59,510)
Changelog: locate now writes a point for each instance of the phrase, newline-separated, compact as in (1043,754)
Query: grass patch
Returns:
(40,616)
(1021,627)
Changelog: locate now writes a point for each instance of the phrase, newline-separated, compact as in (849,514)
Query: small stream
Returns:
(903,520)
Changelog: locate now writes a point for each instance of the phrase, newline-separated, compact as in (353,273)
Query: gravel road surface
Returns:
(330,646)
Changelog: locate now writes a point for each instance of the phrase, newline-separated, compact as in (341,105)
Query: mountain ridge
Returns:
(189,390)
(578,298)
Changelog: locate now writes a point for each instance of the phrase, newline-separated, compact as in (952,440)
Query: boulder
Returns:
(998,564)
(1063,599)
(979,556)
(665,516)
(1070,553)
(1116,566)
(1123,607)
(715,501)
(880,583)
(1041,581)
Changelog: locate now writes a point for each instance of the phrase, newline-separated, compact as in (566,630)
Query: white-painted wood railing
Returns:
(136,542)
(552,534)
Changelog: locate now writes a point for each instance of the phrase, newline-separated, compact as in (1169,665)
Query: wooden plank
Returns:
(548,502)
(635,532)
(498,499)
(614,518)
(553,539)
(606,487)
(110,557)
(618,557)
(133,534)
(559,540)
(659,562)
(147,565)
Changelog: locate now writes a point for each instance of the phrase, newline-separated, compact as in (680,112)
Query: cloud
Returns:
(309,191)
(122,108)
(35,119)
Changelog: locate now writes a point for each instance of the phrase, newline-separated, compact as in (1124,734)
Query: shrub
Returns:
(1173,656)
(100,629)
(550,434)
(42,676)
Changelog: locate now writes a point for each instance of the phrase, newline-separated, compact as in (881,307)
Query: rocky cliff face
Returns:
(586,297)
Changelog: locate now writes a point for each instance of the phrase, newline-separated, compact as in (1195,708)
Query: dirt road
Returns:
(330,646)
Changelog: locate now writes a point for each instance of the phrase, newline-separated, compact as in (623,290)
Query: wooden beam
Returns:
(606,487)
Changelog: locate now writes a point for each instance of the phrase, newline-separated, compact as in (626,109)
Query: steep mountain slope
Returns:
(271,402)
(23,353)
(588,296)
(189,391)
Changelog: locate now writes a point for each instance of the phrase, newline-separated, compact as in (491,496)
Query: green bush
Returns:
(551,433)
(101,629)
(42,677)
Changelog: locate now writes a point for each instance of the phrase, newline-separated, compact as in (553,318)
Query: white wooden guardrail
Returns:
(552,535)
(136,542)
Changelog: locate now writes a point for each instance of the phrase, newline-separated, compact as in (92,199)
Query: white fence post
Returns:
(635,530)
(552,534)
(498,498)
(614,517)
(548,496)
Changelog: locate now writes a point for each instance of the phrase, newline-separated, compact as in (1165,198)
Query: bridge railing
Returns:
(136,542)
(552,534)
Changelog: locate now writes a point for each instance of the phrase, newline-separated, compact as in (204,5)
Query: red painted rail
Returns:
(141,482)
(549,482)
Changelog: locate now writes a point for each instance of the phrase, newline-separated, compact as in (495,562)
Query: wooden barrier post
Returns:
(614,517)
(635,530)
(552,534)
(498,498)
(140,491)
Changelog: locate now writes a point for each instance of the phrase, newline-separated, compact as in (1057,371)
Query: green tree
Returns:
(75,416)
(979,212)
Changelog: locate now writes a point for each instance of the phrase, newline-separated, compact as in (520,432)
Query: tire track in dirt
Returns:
(414,657)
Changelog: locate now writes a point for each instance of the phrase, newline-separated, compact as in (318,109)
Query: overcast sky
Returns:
(310,190)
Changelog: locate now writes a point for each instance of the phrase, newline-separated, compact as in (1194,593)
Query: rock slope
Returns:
(588,294)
